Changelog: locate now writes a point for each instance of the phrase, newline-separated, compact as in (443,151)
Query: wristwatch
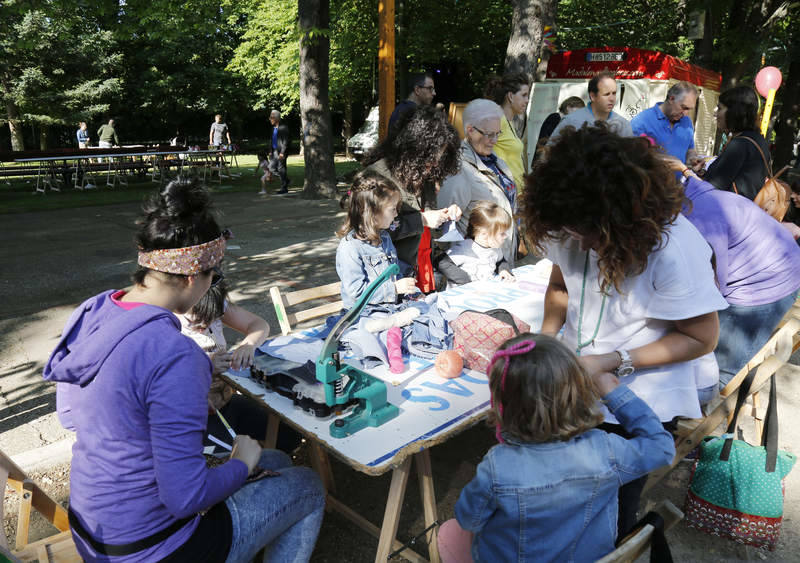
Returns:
(625,364)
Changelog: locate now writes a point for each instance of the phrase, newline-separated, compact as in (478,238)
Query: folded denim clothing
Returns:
(430,332)
(366,347)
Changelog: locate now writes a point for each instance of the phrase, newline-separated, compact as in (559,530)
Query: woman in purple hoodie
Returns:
(128,385)
(757,265)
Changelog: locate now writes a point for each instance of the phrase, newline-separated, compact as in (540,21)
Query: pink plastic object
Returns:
(394,341)
(768,78)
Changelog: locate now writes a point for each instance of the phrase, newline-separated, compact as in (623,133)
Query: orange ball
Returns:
(449,364)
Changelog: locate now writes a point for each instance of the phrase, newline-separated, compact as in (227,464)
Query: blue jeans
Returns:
(743,331)
(281,513)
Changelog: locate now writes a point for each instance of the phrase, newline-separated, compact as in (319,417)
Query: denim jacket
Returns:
(557,501)
(358,263)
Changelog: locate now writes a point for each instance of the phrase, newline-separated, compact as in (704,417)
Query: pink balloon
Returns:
(768,78)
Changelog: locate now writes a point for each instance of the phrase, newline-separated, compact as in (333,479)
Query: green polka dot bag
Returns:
(736,489)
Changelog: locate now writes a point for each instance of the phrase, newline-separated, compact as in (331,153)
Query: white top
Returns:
(479,262)
(211,339)
(678,283)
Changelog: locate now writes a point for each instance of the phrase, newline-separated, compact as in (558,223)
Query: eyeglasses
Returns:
(490,136)
(217,278)
(431,88)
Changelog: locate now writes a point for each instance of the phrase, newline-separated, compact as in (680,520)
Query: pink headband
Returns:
(186,261)
(515,350)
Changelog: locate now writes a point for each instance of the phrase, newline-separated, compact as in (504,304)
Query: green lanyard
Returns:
(582,345)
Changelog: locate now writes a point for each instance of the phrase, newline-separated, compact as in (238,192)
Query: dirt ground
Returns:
(53,260)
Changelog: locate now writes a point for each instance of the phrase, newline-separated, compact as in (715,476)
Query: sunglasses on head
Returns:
(217,276)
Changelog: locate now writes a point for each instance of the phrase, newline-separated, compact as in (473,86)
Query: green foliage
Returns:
(54,68)
(643,24)
(469,34)
(267,55)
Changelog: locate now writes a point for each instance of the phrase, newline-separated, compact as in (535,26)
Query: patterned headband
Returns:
(186,261)
(517,349)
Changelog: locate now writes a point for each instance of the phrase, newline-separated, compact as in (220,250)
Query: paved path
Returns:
(51,261)
(54,260)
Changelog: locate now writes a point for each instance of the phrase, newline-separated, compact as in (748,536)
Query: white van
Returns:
(367,137)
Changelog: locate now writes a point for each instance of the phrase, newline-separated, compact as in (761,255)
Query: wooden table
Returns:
(432,410)
(48,166)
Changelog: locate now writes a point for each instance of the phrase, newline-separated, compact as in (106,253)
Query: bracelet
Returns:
(684,172)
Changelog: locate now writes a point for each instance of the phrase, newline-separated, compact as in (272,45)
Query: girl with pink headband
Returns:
(134,390)
(548,490)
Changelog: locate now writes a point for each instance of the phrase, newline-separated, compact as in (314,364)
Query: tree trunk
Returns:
(320,175)
(788,122)
(704,48)
(525,51)
(43,137)
(14,127)
(401,51)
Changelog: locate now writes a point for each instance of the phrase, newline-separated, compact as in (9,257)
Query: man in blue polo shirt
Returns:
(669,124)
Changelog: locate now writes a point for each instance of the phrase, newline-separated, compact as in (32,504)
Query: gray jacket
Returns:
(476,182)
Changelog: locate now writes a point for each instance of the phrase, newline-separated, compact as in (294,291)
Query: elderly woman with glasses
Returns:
(483,175)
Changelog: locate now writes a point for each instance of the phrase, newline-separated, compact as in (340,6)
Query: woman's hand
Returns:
(454,212)
(792,228)
(221,362)
(242,355)
(595,364)
(247,450)
(433,218)
(406,285)
(505,275)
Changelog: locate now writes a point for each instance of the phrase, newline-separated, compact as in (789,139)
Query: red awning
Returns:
(629,63)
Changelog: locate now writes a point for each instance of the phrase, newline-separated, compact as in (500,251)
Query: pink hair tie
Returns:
(515,350)
(649,139)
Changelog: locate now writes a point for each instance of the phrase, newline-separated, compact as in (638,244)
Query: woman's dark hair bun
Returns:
(179,215)
(183,198)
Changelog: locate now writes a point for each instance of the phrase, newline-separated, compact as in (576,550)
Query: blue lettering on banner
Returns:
(450,386)
(443,403)
(479,303)
(468,377)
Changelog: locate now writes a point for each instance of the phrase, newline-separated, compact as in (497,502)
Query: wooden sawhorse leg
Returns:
(425,475)
(321,464)
(271,437)
(394,504)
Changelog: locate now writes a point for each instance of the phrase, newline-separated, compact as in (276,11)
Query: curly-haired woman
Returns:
(483,176)
(632,282)
(420,152)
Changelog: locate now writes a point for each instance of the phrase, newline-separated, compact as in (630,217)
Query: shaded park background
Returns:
(162,66)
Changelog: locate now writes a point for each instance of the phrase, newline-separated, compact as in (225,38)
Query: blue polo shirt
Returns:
(676,139)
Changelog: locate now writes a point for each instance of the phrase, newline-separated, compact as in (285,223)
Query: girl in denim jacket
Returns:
(366,249)
(548,490)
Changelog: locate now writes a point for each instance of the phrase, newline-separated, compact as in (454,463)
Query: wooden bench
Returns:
(637,542)
(282,301)
(55,548)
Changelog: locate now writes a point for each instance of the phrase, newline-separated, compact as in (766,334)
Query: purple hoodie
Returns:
(134,390)
(757,260)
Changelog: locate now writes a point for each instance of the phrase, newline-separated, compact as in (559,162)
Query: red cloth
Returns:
(425,281)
